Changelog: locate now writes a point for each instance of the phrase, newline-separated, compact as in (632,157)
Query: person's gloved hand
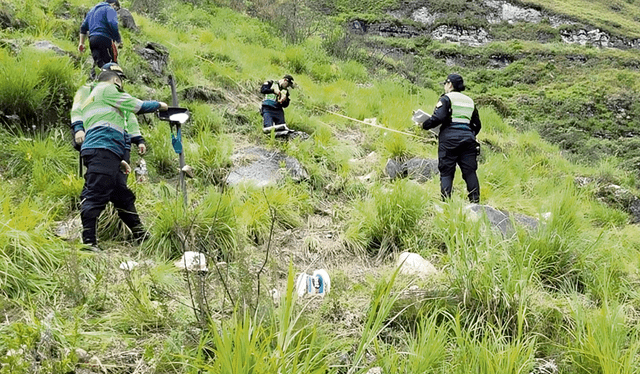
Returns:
(142,148)
(81,48)
(282,96)
(79,137)
(163,106)
(124,167)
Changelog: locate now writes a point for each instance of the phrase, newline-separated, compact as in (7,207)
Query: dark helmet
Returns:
(112,66)
(289,79)
(116,2)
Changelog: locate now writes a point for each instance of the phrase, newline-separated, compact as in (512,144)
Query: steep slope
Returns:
(566,69)
(557,295)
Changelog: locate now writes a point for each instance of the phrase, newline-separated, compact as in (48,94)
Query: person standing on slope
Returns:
(275,100)
(101,26)
(459,123)
(101,109)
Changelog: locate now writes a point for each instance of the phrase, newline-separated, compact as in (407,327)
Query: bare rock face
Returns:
(261,167)
(45,45)
(473,37)
(500,219)
(156,55)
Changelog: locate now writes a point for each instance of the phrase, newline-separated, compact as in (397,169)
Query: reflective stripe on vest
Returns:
(461,108)
(106,124)
(272,96)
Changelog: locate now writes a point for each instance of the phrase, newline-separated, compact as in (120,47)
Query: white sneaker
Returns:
(277,128)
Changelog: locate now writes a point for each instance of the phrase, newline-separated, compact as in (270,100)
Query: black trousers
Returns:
(272,116)
(101,50)
(104,182)
(457,146)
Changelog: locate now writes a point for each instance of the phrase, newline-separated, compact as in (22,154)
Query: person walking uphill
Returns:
(275,100)
(101,25)
(101,109)
(459,123)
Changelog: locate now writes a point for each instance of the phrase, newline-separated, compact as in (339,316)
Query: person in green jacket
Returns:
(99,122)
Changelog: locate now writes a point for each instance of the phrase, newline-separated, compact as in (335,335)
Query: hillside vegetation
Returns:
(561,298)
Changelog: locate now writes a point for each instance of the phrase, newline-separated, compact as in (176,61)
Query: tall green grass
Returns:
(285,343)
(602,340)
(36,86)
(29,255)
(380,224)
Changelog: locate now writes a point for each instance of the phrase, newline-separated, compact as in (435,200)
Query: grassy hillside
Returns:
(582,98)
(563,295)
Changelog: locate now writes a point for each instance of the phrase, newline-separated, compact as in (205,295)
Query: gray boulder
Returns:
(261,167)
(418,169)
(502,220)
(45,45)
(126,20)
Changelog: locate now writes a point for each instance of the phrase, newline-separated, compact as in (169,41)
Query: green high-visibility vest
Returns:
(461,107)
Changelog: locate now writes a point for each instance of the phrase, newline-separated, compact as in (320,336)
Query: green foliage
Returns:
(251,344)
(255,208)
(29,257)
(45,163)
(602,340)
(36,86)
(380,223)
(209,222)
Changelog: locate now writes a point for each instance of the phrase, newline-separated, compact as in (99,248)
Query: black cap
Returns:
(457,82)
(289,79)
(113,2)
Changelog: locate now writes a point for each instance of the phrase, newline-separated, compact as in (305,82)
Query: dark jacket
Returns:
(102,20)
(270,98)
(442,116)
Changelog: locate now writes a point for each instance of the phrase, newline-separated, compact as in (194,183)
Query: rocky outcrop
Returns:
(474,36)
(261,167)
(156,55)
(495,12)
(597,38)
(201,93)
(45,45)
(125,18)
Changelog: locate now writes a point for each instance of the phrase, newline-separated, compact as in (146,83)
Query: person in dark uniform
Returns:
(101,25)
(275,100)
(459,123)
(99,122)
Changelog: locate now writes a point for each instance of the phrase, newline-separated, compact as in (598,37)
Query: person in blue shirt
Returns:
(101,26)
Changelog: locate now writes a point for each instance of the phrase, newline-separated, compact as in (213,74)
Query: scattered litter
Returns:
(318,283)
(192,261)
(275,295)
(141,171)
(129,265)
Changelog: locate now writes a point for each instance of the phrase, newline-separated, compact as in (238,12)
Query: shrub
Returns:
(36,86)
(382,222)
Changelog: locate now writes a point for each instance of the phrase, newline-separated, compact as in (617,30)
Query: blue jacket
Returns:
(102,20)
